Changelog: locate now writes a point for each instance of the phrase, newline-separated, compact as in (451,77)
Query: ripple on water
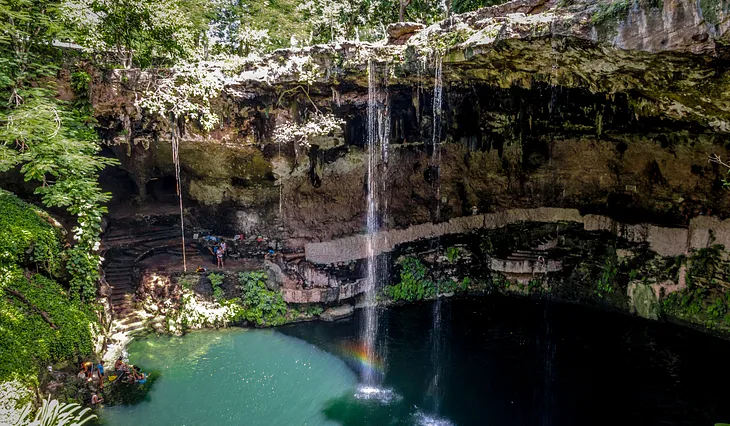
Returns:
(381,395)
(423,419)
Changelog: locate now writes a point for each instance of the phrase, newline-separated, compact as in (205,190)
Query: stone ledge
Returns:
(665,241)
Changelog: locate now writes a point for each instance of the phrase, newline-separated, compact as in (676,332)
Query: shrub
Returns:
(414,282)
(216,280)
(261,306)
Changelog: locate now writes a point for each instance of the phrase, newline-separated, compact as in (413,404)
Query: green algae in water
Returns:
(235,377)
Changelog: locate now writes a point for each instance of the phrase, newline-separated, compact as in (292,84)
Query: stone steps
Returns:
(125,247)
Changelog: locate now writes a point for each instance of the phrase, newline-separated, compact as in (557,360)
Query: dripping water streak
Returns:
(438,89)
(436,334)
(176,160)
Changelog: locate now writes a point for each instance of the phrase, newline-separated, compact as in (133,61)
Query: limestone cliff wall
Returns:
(545,105)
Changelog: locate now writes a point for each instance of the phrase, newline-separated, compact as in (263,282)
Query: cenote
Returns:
(365,212)
(503,361)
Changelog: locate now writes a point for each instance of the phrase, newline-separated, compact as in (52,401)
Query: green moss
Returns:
(710,9)
(40,322)
(28,236)
(611,11)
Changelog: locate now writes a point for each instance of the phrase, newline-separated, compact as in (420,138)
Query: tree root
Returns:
(37,310)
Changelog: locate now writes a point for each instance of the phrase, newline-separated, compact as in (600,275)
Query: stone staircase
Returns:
(123,248)
(531,255)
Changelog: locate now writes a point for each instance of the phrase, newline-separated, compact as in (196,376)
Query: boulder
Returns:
(400,32)
(336,313)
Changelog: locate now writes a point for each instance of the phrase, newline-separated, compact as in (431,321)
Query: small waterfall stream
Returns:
(436,332)
(378,135)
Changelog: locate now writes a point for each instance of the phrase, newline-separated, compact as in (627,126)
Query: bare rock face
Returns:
(400,32)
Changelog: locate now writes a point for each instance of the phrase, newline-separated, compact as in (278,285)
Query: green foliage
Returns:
(606,282)
(51,140)
(27,236)
(237,24)
(216,280)
(414,282)
(188,281)
(314,310)
(452,254)
(499,281)
(261,306)
(27,339)
(54,413)
(336,20)
(710,9)
(446,285)
(613,10)
(462,6)
(534,285)
(705,301)
(40,321)
(717,309)
(142,32)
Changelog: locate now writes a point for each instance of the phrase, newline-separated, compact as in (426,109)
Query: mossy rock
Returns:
(643,301)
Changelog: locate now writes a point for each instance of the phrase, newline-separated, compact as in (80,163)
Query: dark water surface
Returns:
(501,361)
(507,361)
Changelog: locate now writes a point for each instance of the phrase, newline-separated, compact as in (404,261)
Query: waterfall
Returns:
(378,135)
(436,334)
(438,90)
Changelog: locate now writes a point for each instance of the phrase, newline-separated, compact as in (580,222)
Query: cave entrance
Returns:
(118,181)
(162,189)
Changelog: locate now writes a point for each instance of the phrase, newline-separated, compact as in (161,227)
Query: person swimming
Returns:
(96,399)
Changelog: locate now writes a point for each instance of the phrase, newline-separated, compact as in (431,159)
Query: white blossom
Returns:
(187,93)
(318,125)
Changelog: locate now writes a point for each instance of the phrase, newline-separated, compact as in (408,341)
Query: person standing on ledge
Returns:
(219,256)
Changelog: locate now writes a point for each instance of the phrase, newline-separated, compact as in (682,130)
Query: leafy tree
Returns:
(254,26)
(51,142)
(142,32)
(337,20)
(462,6)
(424,11)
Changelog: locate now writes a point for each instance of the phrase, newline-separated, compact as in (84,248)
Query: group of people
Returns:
(128,373)
(219,251)
(122,372)
(89,372)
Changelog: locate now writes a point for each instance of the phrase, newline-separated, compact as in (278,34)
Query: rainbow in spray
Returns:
(358,353)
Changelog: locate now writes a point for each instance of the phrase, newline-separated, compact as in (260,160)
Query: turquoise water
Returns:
(236,377)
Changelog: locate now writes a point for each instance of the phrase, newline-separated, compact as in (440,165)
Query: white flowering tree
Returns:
(318,124)
(186,93)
